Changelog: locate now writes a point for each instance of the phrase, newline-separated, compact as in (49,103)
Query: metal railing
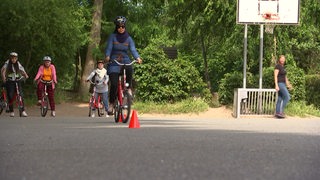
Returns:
(254,102)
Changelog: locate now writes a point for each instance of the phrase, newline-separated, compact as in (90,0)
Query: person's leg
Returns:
(52,103)
(40,88)
(279,103)
(285,96)
(105,100)
(10,88)
(113,77)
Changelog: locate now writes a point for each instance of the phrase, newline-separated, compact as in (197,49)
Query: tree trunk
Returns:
(94,42)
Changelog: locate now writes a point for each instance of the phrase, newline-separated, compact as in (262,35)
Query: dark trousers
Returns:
(11,92)
(50,92)
(114,78)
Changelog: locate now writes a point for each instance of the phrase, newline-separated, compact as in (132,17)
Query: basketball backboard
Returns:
(268,11)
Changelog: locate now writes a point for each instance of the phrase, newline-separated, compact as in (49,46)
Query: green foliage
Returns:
(230,82)
(312,90)
(296,77)
(160,79)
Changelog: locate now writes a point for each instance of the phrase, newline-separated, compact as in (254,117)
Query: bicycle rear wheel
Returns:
(91,106)
(126,107)
(44,106)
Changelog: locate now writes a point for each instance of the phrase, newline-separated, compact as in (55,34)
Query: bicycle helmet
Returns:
(100,61)
(14,54)
(47,58)
(120,20)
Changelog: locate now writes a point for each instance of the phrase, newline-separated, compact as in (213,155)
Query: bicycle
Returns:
(45,99)
(95,103)
(3,100)
(18,97)
(122,106)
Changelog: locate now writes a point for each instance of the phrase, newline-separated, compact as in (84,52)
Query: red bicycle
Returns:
(122,106)
(95,103)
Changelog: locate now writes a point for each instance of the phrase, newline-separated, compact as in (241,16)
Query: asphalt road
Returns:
(161,149)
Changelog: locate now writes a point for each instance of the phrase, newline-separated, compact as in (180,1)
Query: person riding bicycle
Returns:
(47,73)
(11,71)
(100,77)
(118,44)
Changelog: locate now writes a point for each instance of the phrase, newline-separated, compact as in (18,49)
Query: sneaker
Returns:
(39,103)
(24,114)
(93,115)
(107,115)
(11,114)
(279,115)
(53,113)
(110,109)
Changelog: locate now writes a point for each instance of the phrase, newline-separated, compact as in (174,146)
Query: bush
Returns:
(160,79)
(312,90)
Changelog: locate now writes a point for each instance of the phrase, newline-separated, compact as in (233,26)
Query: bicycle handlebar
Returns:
(19,79)
(89,80)
(122,64)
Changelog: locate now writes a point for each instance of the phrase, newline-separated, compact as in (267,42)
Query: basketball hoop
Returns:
(269,28)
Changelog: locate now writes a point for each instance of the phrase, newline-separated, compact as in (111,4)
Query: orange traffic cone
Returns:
(134,122)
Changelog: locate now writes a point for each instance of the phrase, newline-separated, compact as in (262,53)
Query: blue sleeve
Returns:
(133,48)
(109,45)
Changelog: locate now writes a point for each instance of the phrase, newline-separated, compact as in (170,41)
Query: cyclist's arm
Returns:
(23,72)
(109,47)
(54,74)
(133,49)
(90,75)
(4,71)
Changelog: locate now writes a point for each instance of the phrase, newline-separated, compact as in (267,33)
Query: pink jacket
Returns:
(40,74)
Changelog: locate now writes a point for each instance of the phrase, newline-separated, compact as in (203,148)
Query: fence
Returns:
(254,102)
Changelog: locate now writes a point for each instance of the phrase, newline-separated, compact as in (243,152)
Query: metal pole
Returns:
(245,44)
(261,56)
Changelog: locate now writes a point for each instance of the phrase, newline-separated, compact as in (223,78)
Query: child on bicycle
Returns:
(46,73)
(11,71)
(100,78)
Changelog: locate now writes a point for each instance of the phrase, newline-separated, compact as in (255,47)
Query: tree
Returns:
(93,44)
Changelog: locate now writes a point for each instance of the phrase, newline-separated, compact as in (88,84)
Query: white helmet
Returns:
(47,58)
(14,54)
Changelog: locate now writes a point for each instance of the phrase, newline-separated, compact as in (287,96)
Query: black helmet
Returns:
(100,61)
(120,20)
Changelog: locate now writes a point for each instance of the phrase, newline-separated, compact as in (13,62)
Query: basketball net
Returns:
(269,28)
(270,17)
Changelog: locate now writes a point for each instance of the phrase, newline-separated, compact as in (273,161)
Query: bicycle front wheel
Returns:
(20,105)
(100,109)
(117,111)
(44,106)
(126,107)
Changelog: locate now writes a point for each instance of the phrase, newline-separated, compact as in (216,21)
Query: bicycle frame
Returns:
(123,100)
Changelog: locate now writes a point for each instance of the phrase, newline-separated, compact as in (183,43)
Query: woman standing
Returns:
(118,45)
(47,73)
(281,83)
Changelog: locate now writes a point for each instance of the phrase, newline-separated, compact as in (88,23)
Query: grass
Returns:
(185,106)
(296,108)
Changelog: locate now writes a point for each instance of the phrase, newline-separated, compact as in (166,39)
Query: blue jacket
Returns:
(119,51)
